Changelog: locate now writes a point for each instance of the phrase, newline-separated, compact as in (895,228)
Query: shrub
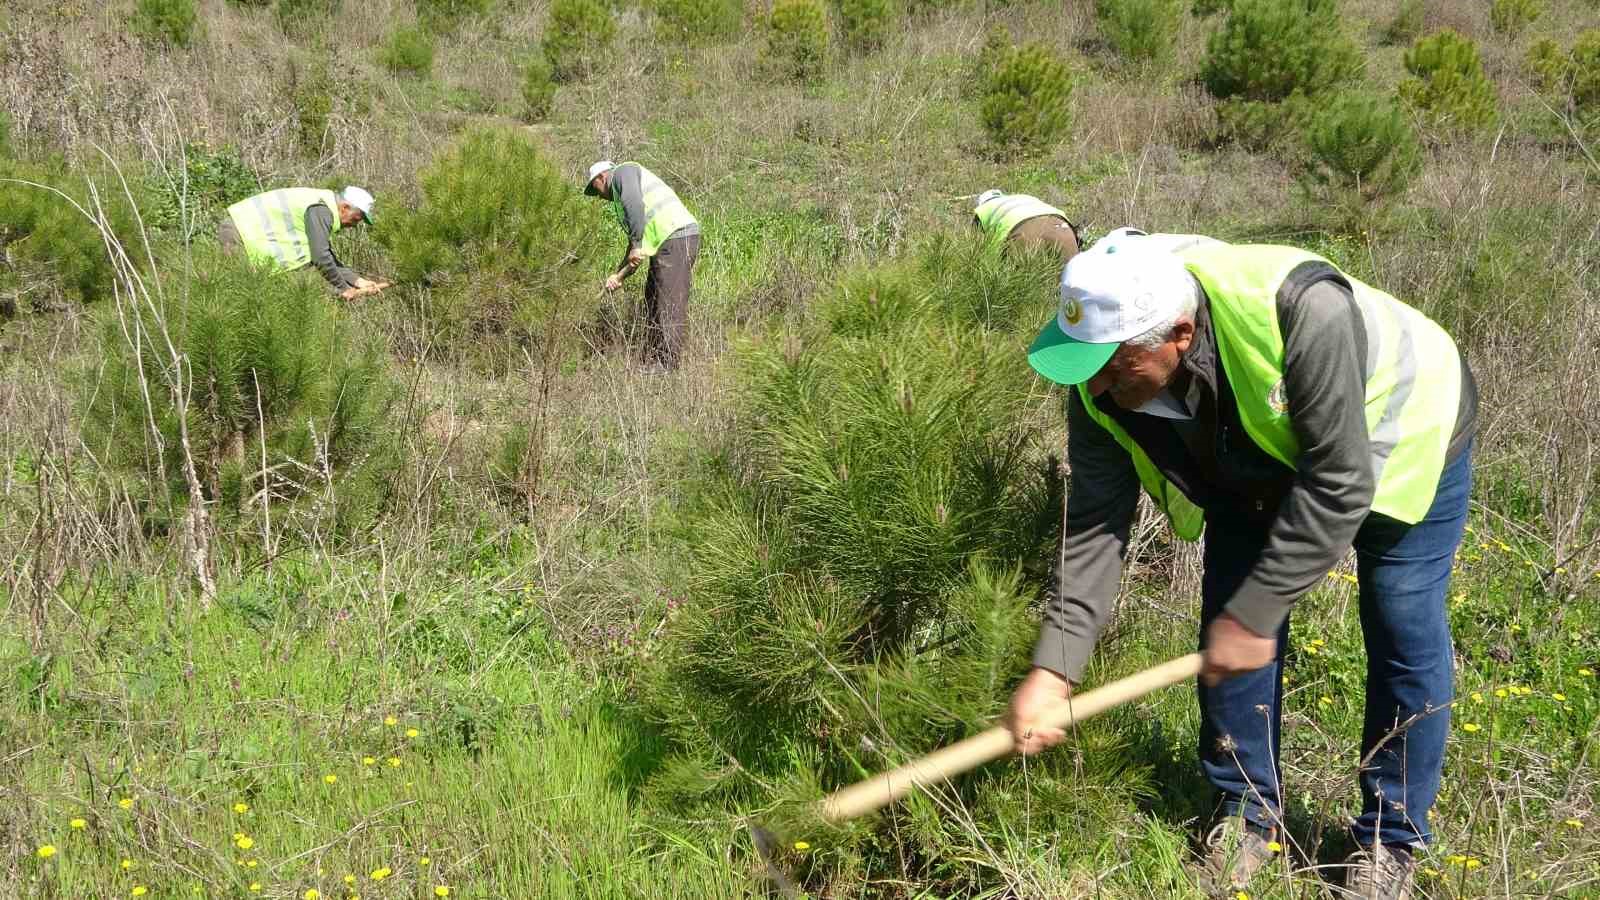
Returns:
(1448,84)
(193,200)
(444,14)
(267,359)
(171,22)
(311,91)
(305,16)
(1509,17)
(1269,49)
(866,24)
(1261,126)
(576,34)
(797,38)
(43,237)
(501,240)
(538,88)
(1026,98)
(691,22)
(1572,77)
(408,50)
(864,539)
(1139,30)
(1407,23)
(1363,151)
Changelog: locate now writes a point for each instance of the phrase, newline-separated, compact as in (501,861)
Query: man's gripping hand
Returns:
(1232,649)
(1041,691)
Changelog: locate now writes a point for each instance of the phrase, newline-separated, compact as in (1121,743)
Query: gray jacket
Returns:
(1308,516)
(319,233)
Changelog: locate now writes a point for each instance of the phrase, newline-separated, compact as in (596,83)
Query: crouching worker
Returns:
(1020,219)
(291,228)
(1291,412)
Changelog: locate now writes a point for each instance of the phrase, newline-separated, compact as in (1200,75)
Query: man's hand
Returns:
(1232,649)
(636,257)
(613,282)
(1042,690)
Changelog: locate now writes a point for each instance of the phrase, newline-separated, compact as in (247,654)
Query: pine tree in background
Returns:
(1027,98)
(576,34)
(1510,17)
(1448,85)
(1363,154)
(866,23)
(1139,30)
(797,39)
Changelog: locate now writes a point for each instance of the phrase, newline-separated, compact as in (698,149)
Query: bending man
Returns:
(291,228)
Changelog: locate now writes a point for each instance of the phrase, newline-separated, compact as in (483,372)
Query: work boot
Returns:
(1234,853)
(1383,873)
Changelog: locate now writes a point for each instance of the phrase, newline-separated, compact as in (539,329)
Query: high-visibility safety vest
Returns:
(664,213)
(1413,380)
(272,226)
(1000,215)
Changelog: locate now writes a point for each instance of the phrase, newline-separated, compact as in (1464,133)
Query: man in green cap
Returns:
(660,229)
(1018,219)
(1291,412)
(290,228)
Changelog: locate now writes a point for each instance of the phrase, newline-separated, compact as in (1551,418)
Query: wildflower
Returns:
(1326,701)
(250,863)
(801,845)
(390,721)
(381,874)
(245,843)
(78,823)
(349,879)
(1455,859)
(140,890)
(394,762)
(1473,862)
(1274,846)
(1586,672)
(47,851)
(1501,693)
(255,887)
(1560,698)
(412,732)
(440,890)
(1470,726)
(1431,872)
(424,862)
(128,864)
(126,803)
(1241,895)
(368,761)
(1573,823)
(313,894)
(1477,697)
(241,808)
(330,778)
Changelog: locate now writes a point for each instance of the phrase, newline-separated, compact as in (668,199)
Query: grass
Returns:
(510,632)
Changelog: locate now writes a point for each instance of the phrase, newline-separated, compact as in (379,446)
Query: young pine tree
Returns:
(1448,84)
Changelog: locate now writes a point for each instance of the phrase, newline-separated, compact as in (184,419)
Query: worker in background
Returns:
(291,228)
(660,229)
(1021,219)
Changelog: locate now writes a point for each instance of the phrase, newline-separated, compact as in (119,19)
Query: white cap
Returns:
(360,199)
(986,196)
(1121,292)
(604,165)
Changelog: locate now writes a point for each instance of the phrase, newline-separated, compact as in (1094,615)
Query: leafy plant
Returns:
(1270,49)
(866,24)
(577,33)
(173,22)
(409,50)
(1448,84)
(1363,151)
(193,199)
(1510,17)
(693,22)
(797,38)
(1027,98)
(538,88)
(1139,30)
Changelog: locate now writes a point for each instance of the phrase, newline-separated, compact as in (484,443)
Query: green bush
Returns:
(1363,151)
(501,240)
(1448,84)
(1509,17)
(538,88)
(1027,98)
(866,24)
(408,50)
(1269,50)
(1407,24)
(692,22)
(797,38)
(1264,127)
(1571,77)
(577,34)
(1139,30)
(49,243)
(311,89)
(173,22)
(864,536)
(192,201)
(260,351)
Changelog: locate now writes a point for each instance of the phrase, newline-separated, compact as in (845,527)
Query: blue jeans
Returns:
(1404,573)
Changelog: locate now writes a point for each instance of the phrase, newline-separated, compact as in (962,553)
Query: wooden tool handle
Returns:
(941,765)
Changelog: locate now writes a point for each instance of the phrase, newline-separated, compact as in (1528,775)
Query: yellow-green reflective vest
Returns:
(1413,380)
(272,226)
(1001,214)
(664,213)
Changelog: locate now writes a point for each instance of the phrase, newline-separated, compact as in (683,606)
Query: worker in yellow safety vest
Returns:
(287,229)
(1018,219)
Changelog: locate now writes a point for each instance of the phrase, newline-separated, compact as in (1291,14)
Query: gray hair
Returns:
(1158,334)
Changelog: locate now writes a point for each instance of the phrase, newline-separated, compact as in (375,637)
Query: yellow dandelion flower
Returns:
(1431,872)
(47,851)
(368,761)
(381,874)
(1274,846)
(1474,862)
(394,762)
(255,887)
(140,890)
(1310,650)
(241,807)
(390,721)
(349,879)
(1501,693)
(1455,859)
(1477,697)
(126,803)
(412,732)
(1573,823)
(312,894)
(128,864)
(1560,698)
(424,862)
(245,843)
(250,863)
(78,823)
(440,890)
(1586,672)
(1470,726)
(801,845)
(1241,895)
(330,778)
(1325,701)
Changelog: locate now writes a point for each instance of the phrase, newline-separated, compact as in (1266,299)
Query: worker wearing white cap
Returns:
(1290,412)
(1028,221)
(290,228)
(660,229)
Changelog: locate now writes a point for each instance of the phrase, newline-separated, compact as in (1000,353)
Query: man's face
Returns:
(1134,375)
(349,215)
(601,184)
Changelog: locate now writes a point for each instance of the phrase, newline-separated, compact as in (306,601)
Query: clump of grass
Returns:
(408,50)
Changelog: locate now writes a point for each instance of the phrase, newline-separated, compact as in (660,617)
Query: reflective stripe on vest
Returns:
(272,225)
(1004,213)
(664,213)
(1187,519)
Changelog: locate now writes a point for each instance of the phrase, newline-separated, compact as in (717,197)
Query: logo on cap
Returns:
(1072,311)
